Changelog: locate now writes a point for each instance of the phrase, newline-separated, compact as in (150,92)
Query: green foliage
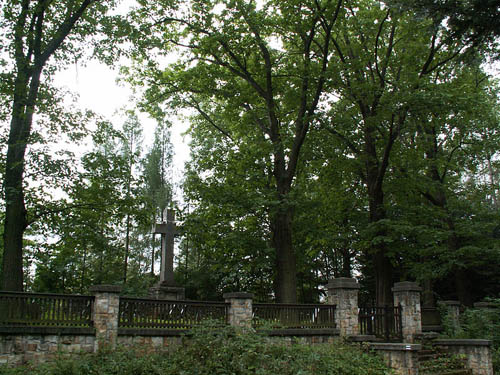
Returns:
(472,20)
(224,351)
(479,323)
(443,364)
(90,235)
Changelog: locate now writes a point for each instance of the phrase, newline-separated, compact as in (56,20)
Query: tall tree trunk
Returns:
(15,211)
(384,270)
(127,249)
(16,220)
(14,227)
(346,263)
(30,59)
(462,284)
(439,199)
(84,265)
(286,285)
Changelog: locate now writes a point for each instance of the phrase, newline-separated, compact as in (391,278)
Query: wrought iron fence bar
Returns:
(381,321)
(29,294)
(294,316)
(43,309)
(301,305)
(147,313)
(137,299)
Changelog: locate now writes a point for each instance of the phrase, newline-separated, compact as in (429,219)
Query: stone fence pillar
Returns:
(402,358)
(343,293)
(240,309)
(407,294)
(105,315)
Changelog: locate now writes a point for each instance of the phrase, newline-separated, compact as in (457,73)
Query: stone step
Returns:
(430,354)
(433,362)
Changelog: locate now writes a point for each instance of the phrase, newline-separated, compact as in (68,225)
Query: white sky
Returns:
(98,90)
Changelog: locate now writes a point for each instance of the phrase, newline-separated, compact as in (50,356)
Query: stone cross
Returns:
(167,230)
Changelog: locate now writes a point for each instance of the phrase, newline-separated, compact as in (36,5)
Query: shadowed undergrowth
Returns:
(223,351)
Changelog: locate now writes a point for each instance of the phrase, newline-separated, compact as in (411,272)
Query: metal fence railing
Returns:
(381,321)
(45,310)
(294,316)
(148,313)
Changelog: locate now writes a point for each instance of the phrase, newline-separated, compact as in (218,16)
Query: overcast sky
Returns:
(98,90)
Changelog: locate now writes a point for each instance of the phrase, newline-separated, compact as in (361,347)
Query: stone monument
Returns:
(167,288)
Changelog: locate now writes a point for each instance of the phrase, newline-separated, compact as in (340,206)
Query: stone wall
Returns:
(22,344)
(478,353)
(407,295)
(403,358)
(240,310)
(343,293)
(105,314)
(16,349)
(150,342)
(19,348)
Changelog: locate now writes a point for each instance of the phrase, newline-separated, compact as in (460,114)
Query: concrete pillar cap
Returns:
(238,295)
(483,305)
(105,289)
(451,303)
(406,286)
(343,283)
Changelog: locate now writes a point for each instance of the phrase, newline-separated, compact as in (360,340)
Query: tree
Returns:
(157,179)
(228,225)
(86,246)
(386,61)
(36,34)
(474,21)
(131,146)
(449,139)
(263,64)
(91,241)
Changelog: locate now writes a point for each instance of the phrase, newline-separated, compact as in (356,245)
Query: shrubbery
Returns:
(221,351)
(479,324)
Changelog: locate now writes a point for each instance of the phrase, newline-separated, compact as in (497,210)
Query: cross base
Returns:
(166,292)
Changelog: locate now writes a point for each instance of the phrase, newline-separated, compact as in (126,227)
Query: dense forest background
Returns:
(329,138)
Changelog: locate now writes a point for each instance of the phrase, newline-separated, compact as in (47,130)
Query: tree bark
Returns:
(16,220)
(384,270)
(375,172)
(346,263)
(462,285)
(286,284)
(31,55)
(440,200)
(127,249)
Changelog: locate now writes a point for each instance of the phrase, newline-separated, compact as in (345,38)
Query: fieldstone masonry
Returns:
(407,294)
(240,309)
(21,345)
(403,358)
(168,293)
(105,314)
(17,349)
(343,292)
(478,353)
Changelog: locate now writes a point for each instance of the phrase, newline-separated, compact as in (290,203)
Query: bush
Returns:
(222,351)
(479,324)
